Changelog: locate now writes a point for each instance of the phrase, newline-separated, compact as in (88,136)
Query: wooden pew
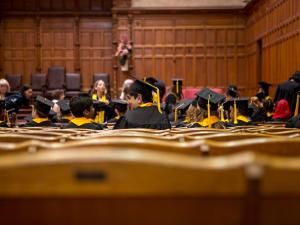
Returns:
(117,186)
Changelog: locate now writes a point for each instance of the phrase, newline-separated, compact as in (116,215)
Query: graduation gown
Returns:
(40,122)
(84,123)
(144,117)
(3,124)
(288,90)
(294,122)
(171,101)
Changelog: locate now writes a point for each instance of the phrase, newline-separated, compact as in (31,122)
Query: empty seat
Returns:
(15,81)
(55,78)
(38,83)
(73,84)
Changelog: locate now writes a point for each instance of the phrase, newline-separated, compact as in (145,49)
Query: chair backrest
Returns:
(279,190)
(101,76)
(14,80)
(149,187)
(38,80)
(73,82)
(56,78)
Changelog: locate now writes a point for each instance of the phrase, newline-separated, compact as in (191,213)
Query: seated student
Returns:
(19,99)
(120,107)
(185,112)
(174,96)
(100,95)
(4,88)
(259,113)
(64,115)
(208,101)
(239,112)
(83,112)
(40,113)
(232,92)
(3,114)
(282,111)
(125,88)
(143,113)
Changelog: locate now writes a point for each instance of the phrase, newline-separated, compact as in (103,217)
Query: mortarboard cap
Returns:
(232,91)
(296,76)
(184,104)
(265,86)
(140,87)
(43,105)
(64,106)
(242,104)
(157,83)
(120,104)
(207,94)
(177,83)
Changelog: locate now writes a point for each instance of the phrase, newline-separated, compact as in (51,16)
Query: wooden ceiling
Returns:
(191,3)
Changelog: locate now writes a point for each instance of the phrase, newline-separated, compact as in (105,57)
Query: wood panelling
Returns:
(96,48)
(205,50)
(55,5)
(57,43)
(18,47)
(277,24)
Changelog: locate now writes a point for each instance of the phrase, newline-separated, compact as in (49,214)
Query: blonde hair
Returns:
(96,84)
(5,82)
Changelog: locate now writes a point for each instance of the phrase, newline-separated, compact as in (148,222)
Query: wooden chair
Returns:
(117,186)
(279,196)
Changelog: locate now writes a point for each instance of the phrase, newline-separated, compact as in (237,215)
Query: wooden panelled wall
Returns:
(205,48)
(276,24)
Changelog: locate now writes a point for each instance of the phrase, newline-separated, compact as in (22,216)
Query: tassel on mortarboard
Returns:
(297,105)
(222,113)
(234,113)
(208,112)
(157,95)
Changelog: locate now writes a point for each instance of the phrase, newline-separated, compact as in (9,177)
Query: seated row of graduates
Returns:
(145,110)
(208,109)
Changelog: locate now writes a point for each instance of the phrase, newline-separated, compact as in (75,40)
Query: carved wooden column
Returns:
(1,47)
(115,59)
(38,44)
(120,24)
(77,45)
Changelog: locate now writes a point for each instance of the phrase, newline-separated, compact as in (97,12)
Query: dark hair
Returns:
(146,97)
(39,111)
(57,93)
(24,88)
(78,104)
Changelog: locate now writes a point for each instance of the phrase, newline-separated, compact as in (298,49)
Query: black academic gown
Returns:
(41,123)
(288,90)
(3,124)
(294,122)
(144,117)
(84,123)
(171,101)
